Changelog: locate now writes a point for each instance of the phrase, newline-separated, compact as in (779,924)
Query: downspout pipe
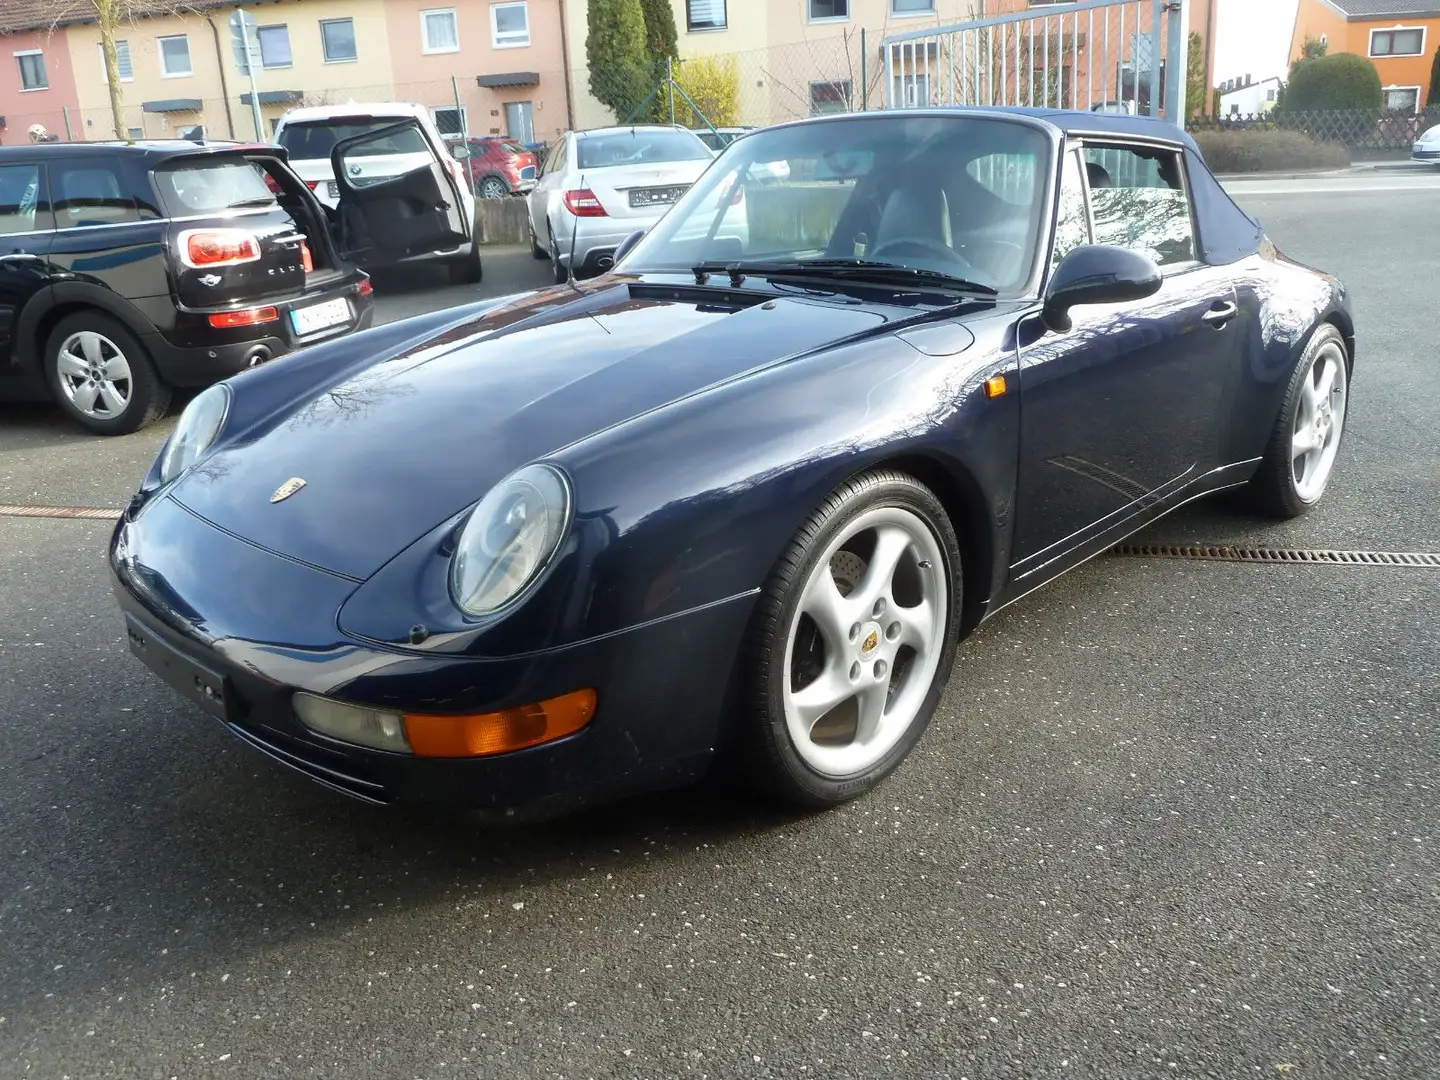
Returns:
(224,88)
(565,59)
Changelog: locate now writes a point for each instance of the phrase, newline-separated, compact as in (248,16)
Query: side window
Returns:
(1072,227)
(89,192)
(557,157)
(22,208)
(1138,201)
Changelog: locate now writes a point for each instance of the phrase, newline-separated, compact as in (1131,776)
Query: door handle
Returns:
(1220,313)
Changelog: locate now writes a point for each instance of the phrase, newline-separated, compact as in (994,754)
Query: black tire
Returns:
(760,751)
(1272,490)
(536,251)
(557,269)
(493,179)
(148,396)
(467,269)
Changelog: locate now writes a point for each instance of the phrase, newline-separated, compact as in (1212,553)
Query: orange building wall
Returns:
(1399,70)
(1314,19)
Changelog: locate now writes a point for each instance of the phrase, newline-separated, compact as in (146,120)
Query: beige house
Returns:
(179,72)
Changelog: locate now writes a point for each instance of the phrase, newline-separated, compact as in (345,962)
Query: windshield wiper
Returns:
(881,273)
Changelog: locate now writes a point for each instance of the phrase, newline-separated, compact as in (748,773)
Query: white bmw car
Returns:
(597,187)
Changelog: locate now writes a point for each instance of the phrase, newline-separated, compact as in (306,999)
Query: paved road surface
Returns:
(1174,819)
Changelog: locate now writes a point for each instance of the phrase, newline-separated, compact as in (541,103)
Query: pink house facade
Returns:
(508,58)
(37,84)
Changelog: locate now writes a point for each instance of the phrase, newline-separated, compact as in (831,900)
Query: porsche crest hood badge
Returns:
(288,488)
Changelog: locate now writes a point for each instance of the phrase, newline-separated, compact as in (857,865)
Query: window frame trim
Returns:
(20,68)
(324,48)
(495,42)
(105,75)
(259,44)
(165,72)
(425,13)
(1398,28)
(827,20)
(1385,90)
(890,9)
(691,28)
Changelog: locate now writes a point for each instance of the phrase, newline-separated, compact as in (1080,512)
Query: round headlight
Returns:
(199,424)
(509,538)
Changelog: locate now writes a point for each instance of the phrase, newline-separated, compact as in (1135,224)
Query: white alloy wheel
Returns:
(865,642)
(1318,421)
(94,375)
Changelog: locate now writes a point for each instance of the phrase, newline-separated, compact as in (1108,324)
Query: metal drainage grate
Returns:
(1309,556)
(97,512)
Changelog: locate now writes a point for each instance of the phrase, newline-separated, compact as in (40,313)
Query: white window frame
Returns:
(464,117)
(513,42)
(846,101)
(811,17)
(261,48)
(104,74)
(324,49)
(724,19)
(1396,29)
(910,14)
(20,68)
(425,30)
(1385,96)
(165,71)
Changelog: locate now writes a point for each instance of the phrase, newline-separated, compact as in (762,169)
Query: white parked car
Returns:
(309,136)
(1427,146)
(597,187)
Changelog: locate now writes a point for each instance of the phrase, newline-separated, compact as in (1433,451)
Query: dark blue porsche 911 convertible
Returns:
(739,499)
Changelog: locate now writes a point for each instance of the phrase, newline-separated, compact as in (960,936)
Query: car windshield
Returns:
(309,140)
(207,185)
(639,147)
(954,195)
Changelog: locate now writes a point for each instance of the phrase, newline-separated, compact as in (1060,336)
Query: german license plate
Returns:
(332,189)
(656,196)
(316,317)
(197,682)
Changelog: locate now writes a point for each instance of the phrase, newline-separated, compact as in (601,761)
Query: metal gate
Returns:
(1101,55)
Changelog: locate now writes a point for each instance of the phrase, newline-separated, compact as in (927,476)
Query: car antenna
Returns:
(574,236)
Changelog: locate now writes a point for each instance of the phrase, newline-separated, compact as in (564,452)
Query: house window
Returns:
(1270,94)
(122,61)
(1234,110)
(440,30)
(911,7)
(519,121)
(175,56)
(1402,98)
(510,25)
(449,120)
(337,38)
(830,97)
(824,10)
(705,14)
(1402,41)
(274,46)
(32,70)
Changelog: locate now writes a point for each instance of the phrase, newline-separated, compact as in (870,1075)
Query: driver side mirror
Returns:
(628,243)
(1097,274)
(459,151)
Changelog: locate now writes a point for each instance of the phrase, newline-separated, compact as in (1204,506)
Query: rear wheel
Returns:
(536,251)
(494,187)
(102,376)
(557,269)
(1300,457)
(853,642)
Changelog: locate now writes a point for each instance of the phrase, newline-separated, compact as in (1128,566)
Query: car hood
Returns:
(394,449)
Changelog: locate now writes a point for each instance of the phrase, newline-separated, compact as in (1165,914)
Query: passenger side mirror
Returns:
(1097,274)
(628,243)
(460,151)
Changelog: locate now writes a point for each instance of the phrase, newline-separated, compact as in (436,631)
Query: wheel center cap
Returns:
(869,639)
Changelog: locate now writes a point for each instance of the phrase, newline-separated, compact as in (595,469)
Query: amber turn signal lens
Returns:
(248,317)
(481,734)
(994,386)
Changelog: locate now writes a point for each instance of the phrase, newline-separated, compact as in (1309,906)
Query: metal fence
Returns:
(1110,55)
(1357,129)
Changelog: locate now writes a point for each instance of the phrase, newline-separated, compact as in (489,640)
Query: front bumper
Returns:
(194,353)
(1429,152)
(659,705)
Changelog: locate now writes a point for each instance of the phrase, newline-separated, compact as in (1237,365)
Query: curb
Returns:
(1419,168)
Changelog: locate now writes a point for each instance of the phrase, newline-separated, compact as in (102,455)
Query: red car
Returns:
(500,167)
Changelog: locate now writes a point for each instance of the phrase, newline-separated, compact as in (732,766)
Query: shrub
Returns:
(1268,149)
(713,83)
(1338,81)
(621,73)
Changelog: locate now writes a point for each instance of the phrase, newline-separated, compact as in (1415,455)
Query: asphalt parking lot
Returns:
(1175,818)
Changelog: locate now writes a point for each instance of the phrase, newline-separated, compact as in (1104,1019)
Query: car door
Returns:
(1121,409)
(548,189)
(27,230)
(398,197)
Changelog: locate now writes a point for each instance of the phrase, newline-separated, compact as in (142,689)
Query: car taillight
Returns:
(582,203)
(218,247)
(305,260)
(271,184)
(312,184)
(248,317)
(365,288)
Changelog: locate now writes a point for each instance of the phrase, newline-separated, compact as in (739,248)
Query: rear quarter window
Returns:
(90,191)
(210,185)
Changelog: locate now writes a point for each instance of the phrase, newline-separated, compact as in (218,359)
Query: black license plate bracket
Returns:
(202,685)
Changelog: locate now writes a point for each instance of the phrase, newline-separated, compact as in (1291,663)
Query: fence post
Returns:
(889,75)
(864,73)
(670,85)
(1176,75)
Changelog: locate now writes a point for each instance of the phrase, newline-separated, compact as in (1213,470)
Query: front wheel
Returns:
(853,641)
(1305,441)
(557,268)
(467,270)
(102,376)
